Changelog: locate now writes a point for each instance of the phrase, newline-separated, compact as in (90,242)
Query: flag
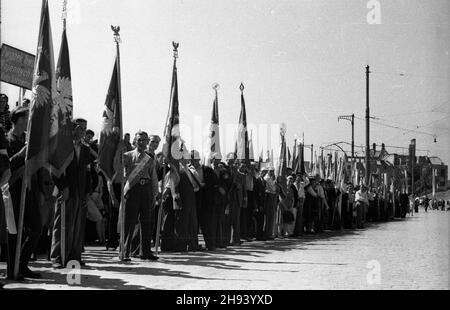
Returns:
(294,157)
(41,122)
(250,148)
(271,159)
(282,165)
(214,137)
(110,134)
(172,143)
(302,158)
(289,158)
(260,159)
(242,150)
(62,138)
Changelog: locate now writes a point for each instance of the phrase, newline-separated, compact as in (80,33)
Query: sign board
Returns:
(16,67)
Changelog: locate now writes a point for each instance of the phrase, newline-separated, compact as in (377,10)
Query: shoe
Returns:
(82,263)
(27,273)
(211,248)
(126,259)
(149,257)
(57,265)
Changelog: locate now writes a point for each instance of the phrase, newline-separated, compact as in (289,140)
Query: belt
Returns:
(144,181)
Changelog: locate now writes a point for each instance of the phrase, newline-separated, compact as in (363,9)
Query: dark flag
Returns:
(289,159)
(301,159)
(214,137)
(242,149)
(110,132)
(42,124)
(250,148)
(281,172)
(172,144)
(61,135)
(294,156)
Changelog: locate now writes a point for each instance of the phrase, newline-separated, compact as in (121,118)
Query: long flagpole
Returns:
(21,215)
(158,227)
(22,206)
(117,40)
(63,203)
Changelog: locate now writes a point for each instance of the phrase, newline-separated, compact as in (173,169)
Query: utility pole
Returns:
(350,118)
(367,176)
(412,153)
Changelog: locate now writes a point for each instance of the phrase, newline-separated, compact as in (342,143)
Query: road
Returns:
(411,253)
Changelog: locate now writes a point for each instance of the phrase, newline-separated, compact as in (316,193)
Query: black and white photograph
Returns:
(222,146)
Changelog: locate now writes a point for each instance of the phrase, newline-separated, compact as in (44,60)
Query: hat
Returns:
(17,113)
(231,155)
(155,138)
(195,154)
(215,155)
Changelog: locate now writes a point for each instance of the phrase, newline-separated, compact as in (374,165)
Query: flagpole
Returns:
(21,215)
(63,203)
(158,227)
(117,40)
(23,196)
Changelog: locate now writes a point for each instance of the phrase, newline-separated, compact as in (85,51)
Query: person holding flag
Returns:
(140,192)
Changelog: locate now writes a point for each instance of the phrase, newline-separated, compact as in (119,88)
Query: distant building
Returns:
(439,172)
(397,167)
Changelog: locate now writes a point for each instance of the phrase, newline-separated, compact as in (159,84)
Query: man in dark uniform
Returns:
(259,191)
(73,185)
(140,192)
(222,202)
(404,203)
(5,174)
(237,198)
(32,222)
(207,210)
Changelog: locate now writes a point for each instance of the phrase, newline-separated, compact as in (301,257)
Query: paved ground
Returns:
(412,253)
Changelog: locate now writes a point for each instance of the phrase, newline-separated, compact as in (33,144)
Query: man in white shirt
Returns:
(300,183)
(362,200)
(270,203)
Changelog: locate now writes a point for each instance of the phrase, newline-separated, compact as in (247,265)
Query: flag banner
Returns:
(61,130)
(282,165)
(41,121)
(110,131)
(251,155)
(260,159)
(242,150)
(302,158)
(172,143)
(294,156)
(271,159)
(289,158)
(214,136)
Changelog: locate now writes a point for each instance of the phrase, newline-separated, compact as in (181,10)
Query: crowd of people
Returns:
(226,201)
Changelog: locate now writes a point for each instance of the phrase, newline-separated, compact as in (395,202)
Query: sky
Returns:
(302,63)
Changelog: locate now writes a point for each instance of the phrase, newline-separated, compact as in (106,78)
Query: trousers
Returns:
(138,206)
